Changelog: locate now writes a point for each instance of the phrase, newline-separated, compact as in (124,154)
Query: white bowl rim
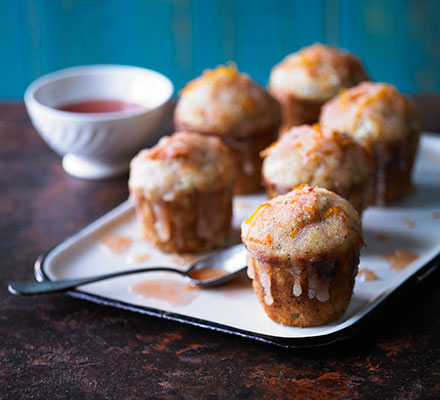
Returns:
(31,101)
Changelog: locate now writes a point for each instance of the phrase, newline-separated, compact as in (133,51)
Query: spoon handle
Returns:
(33,287)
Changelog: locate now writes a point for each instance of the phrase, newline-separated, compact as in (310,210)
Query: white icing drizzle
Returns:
(250,271)
(265,282)
(319,288)
(250,266)
(312,288)
(323,294)
(161,221)
(297,289)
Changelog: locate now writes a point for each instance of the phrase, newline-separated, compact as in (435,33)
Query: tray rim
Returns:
(300,342)
(340,335)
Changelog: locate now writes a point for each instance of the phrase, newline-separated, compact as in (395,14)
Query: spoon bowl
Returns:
(211,270)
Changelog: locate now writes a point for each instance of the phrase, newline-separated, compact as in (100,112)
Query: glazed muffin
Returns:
(387,124)
(182,190)
(305,80)
(228,104)
(303,255)
(319,156)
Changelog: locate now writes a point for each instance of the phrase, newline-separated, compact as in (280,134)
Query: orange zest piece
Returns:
(229,71)
(300,187)
(317,127)
(257,210)
(265,242)
(265,152)
(269,239)
(336,210)
(295,231)
(370,100)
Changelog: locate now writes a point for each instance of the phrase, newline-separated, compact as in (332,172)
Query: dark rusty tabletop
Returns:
(59,347)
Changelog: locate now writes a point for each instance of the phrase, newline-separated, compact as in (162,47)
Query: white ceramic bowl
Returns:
(98,145)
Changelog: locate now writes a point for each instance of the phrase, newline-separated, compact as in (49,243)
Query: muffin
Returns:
(303,255)
(387,124)
(305,80)
(228,104)
(182,190)
(319,156)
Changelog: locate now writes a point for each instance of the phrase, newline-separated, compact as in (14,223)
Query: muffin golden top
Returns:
(183,162)
(372,112)
(317,156)
(308,222)
(316,72)
(225,102)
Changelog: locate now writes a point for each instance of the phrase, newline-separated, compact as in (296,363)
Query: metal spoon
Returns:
(231,260)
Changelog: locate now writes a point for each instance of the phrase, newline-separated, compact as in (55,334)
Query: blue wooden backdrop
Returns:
(399,40)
